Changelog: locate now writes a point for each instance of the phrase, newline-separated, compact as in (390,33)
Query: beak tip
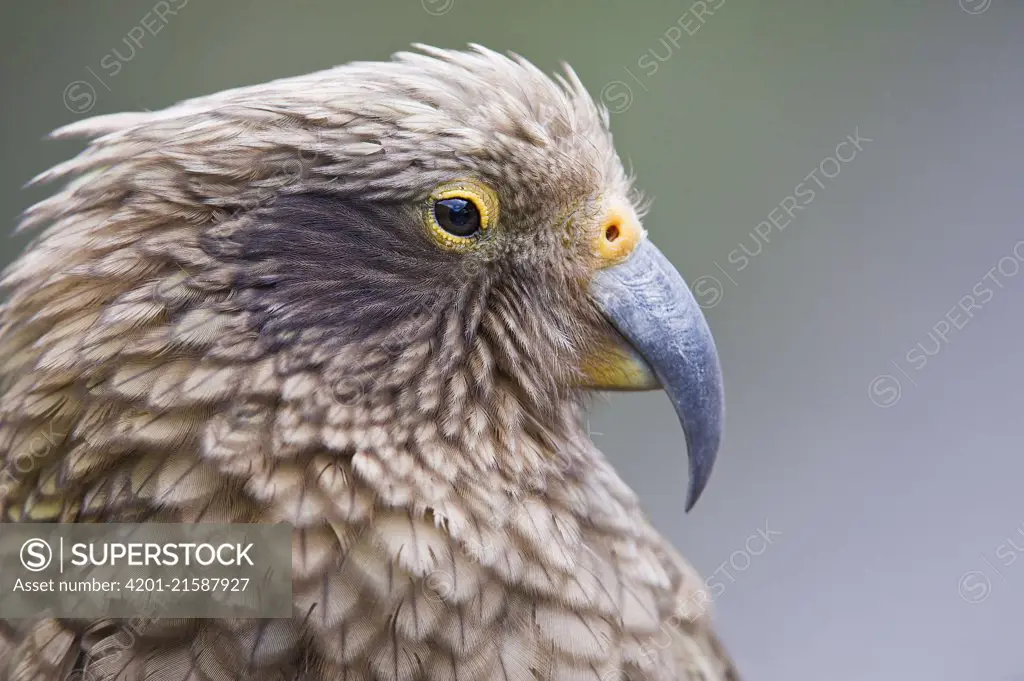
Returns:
(703,421)
(701,464)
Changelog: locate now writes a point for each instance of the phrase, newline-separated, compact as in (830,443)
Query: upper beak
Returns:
(647,301)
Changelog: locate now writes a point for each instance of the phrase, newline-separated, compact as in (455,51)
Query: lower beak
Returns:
(668,345)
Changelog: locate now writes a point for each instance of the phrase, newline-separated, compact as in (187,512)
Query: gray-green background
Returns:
(895,485)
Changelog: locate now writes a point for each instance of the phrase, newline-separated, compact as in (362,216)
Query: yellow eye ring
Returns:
(459,213)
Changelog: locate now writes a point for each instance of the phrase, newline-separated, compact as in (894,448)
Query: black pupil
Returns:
(457,216)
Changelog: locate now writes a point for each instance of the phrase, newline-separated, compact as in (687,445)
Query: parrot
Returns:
(372,303)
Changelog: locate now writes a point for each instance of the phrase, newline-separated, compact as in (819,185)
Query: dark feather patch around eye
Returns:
(320,261)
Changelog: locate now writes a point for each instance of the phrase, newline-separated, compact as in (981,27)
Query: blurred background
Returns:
(841,185)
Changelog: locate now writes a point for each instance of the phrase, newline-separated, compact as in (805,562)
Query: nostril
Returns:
(611,232)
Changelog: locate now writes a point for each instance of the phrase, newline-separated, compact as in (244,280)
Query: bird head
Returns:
(446,243)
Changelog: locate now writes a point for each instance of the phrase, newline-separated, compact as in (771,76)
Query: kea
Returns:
(371,303)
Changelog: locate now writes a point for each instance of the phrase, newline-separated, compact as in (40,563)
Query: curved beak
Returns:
(669,346)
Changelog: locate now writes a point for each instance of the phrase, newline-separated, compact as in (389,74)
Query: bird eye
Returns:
(458,217)
(458,213)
